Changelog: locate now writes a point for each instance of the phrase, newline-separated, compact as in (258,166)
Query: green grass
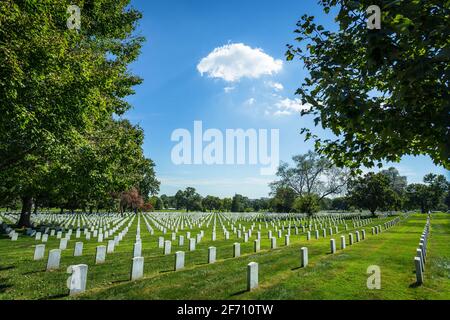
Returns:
(339,276)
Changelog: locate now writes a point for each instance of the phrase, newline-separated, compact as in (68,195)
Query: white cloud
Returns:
(288,106)
(228,89)
(282,113)
(250,101)
(275,85)
(234,61)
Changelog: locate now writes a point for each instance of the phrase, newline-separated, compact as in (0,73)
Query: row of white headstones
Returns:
(77,282)
(421,253)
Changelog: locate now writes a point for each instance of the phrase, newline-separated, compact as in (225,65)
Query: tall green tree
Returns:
(57,84)
(308,204)
(372,191)
(283,199)
(239,203)
(383,93)
(149,185)
(428,196)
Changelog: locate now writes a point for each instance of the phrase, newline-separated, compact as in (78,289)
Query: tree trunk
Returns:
(25,214)
(61,211)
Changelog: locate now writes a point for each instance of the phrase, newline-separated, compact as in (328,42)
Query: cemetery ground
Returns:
(327,276)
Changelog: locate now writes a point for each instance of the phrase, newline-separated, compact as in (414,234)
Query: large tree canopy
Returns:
(373,191)
(383,93)
(60,90)
(56,82)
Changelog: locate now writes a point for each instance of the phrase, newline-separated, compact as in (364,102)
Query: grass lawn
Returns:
(339,276)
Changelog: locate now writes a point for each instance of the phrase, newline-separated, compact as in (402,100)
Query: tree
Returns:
(211,203)
(149,185)
(283,199)
(261,204)
(131,199)
(428,196)
(398,183)
(340,203)
(447,199)
(372,191)
(438,186)
(156,203)
(239,203)
(193,201)
(311,174)
(57,85)
(419,196)
(308,204)
(147,207)
(383,93)
(226,204)
(180,200)
(188,199)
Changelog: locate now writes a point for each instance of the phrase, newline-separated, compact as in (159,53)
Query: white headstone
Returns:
(54,257)
(76,283)
(100,254)
(191,244)
(137,268)
(286,240)
(39,252)
(211,254)
(252,276)
(273,243)
(63,244)
(257,245)
(78,251)
(179,260)
(332,246)
(303,257)
(236,250)
(342,242)
(137,249)
(167,247)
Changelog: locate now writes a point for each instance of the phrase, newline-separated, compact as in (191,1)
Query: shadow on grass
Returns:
(33,272)
(56,296)
(166,271)
(7,268)
(238,293)
(4,285)
(415,285)
(120,281)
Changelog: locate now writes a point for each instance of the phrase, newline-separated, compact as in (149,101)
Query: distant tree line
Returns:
(313,183)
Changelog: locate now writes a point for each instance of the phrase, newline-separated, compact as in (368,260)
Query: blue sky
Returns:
(245,84)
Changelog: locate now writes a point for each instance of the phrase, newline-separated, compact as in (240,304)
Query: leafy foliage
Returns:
(383,93)
(372,191)
(60,93)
